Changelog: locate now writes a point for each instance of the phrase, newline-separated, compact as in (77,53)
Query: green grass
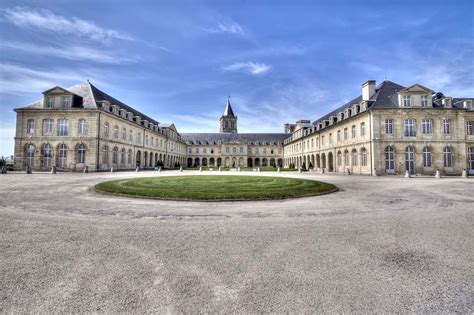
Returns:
(219,187)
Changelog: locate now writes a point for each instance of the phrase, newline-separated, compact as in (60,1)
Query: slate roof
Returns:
(228,110)
(248,138)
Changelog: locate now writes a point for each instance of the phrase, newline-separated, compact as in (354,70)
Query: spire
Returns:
(228,109)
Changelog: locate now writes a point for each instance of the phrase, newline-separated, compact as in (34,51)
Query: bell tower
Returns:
(228,120)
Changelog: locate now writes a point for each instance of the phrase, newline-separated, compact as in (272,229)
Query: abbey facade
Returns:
(388,129)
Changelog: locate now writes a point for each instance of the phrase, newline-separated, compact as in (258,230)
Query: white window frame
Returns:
(49,102)
(427,157)
(409,127)
(81,153)
(447,157)
(48,128)
(424,100)
(47,154)
(389,126)
(469,129)
(63,129)
(30,126)
(81,126)
(66,102)
(446,126)
(406,100)
(426,126)
(62,156)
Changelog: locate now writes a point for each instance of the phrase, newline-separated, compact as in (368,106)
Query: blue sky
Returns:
(178,61)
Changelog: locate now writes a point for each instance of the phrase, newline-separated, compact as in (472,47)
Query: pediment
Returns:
(57,90)
(416,88)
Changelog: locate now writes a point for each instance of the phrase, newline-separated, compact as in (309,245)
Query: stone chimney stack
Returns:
(368,90)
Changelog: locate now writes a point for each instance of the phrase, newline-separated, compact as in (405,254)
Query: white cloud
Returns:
(48,21)
(249,67)
(71,52)
(226,27)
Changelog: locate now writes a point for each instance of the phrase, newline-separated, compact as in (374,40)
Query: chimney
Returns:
(368,90)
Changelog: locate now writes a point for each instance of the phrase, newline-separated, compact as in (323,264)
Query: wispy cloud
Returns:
(253,68)
(71,52)
(226,27)
(48,21)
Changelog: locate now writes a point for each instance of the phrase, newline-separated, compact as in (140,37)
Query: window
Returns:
(353,131)
(129,156)
(66,101)
(469,128)
(115,156)
(130,135)
(190,151)
(389,160)
(30,155)
(427,126)
(105,154)
(338,136)
(427,157)
(47,154)
(424,100)
(410,160)
(197,150)
(345,133)
(30,126)
(446,126)
(63,129)
(146,139)
(241,149)
(106,130)
(124,134)
(354,158)
(447,157)
(116,132)
(346,158)
(339,158)
(364,157)
(49,102)
(139,137)
(410,130)
(389,126)
(470,158)
(227,150)
(81,153)
(82,126)
(62,155)
(122,156)
(47,126)
(234,150)
(362,129)
(406,101)
(264,151)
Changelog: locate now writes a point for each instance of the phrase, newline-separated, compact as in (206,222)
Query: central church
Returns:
(232,149)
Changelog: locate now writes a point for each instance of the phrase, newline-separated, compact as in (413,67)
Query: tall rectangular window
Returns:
(446,126)
(124,134)
(345,133)
(353,132)
(47,126)
(424,100)
(116,132)
(362,129)
(427,126)
(469,128)
(63,129)
(49,102)
(30,126)
(409,127)
(106,130)
(406,101)
(82,126)
(66,101)
(389,126)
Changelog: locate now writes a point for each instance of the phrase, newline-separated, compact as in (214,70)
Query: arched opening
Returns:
(410,159)
(145,159)
(212,162)
(249,162)
(280,162)
(190,162)
(318,161)
(272,162)
(330,162)
(197,162)
(470,160)
(138,158)
(219,162)
(257,162)
(389,160)
(234,162)
(241,162)
(204,162)
(30,155)
(62,156)
(47,155)
(323,161)
(227,162)
(264,162)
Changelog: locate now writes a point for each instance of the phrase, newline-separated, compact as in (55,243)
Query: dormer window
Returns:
(424,100)
(406,101)
(66,101)
(49,102)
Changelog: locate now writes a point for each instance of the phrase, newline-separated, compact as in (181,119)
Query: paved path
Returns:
(380,244)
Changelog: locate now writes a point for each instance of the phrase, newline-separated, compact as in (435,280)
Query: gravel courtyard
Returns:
(385,244)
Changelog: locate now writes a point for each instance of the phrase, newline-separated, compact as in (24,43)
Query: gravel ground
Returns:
(383,244)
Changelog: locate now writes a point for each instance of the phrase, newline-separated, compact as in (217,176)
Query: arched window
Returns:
(339,157)
(410,160)
(30,155)
(122,156)
(81,153)
(354,157)
(129,156)
(389,160)
(62,155)
(115,156)
(364,157)
(105,154)
(427,157)
(447,157)
(47,154)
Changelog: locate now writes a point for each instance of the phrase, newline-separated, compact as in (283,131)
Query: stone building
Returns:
(388,129)
(84,127)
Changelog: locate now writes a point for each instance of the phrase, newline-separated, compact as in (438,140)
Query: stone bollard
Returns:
(464,173)
(278,170)
(28,170)
(238,169)
(86,169)
(376,173)
(322,171)
(220,169)
(407,174)
(299,169)
(159,169)
(180,168)
(112,169)
(200,169)
(438,174)
(53,169)
(258,169)
(137,169)
(348,171)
